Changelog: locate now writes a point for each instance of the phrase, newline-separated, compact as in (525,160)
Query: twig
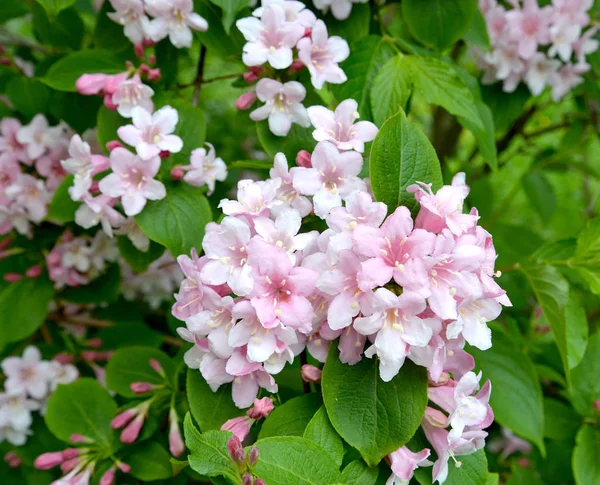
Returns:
(548,129)
(8,38)
(199,75)
(515,130)
(46,334)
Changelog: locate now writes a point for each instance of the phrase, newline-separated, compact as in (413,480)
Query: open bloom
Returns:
(339,8)
(95,210)
(339,128)
(28,374)
(132,180)
(82,164)
(205,168)
(322,54)
(132,93)
(9,144)
(283,105)
(174,18)
(131,14)
(404,464)
(529,27)
(152,133)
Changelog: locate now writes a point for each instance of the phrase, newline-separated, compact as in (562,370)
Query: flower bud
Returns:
(240,427)
(89,355)
(141,387)
(307,32)
(234,445)
(96,343)
(151,59)
(597,404)
(12,459)
(68,465)
(108,478)
(247,479)
(79,438)
(296,66)
(111,145)
(176,444)
(49,460)
(124,467)
(177,174)
(303,159)
(144,69)
(132,431)
(250,77)
(138,49)
(108,102)
(5,243)
(164,154)
(261,409)
(155,364)
(154,74)
(254,454)
(523,462)
(311,374)
(34,271)
(121,420)
(90,83)
(260,481)
(12,277)
(148,42)
(245,101)
(5,61)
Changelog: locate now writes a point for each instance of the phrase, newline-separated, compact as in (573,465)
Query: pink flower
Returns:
(176,444)
(96,210)
(332,178)
(27,374)
(541,72)
(253,198)
(151,133)
(131,14)
(174,18)
(30,194)
(9,144)
(405,462)
(283,105)
(205,169)
(339,8)
(91,83)
(529,27)
(360,209)
(36,136)
(270,39)
(322,54)
(568,77)
(83,165)
(286,192)
(48,166)
(132,180)
(473,314)
(509,443)
(132,93)
(563,38)
(396,327)
(134,233)
(339,127)
(295,12)
(395,251)
(239,426)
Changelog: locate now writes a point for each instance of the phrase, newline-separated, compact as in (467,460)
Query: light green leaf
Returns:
(358,473)
(439,23)
(290,460)
(132,364)
(178,220)
(230,9)
(292,418)
(540,193)
(150,461)
(373,416)
(587,255)
(473,470)
(585,385)
(586,466)
(52,7)
(400,156)
(209,409)
(82,407)
(478,33)
(391,89)
(63,74)
(368,56)
(517,396)
(321,431)
(62,207)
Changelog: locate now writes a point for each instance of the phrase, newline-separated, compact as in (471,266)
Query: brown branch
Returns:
(515,130)
(548,129)
(199,76)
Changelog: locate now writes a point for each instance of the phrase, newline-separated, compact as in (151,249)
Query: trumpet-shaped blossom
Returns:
(321,54)
(10,146)
(99,210)
(36,136)
(283,105)
(30,194)
(175,19)
(404,463)
(152,133)
(339,127)
(132,180)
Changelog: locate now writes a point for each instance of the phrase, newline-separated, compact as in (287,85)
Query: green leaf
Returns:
(586,466)
(517,397)
(358,473)
(506,107)
(560,420)
(108,123)
(191,129)
(52,7)
(439,23)
(132,364)
(585,385)
(298,138)
(391,89)
(209,409)
(230,9)
(471,471)
(321,431)
(478,33)
(292,418)
(10,9)
(208,453)
(587,255)
(523,476)
(65,30)
(150,461)
(138,260)
(107,33)
(354,27)
(178,220)
(290,460)
(82,407)
(63,74)
(104,289)
(23,308)
(29,96)
(62,207)
(373,416)
(369,55)
(125,334)
(78,111)
(400,156)
(540,193)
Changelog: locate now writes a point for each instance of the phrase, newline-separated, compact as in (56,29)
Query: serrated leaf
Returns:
(400,156)
(230,9)
(291,418)
(391,89)
(321,431)
(373,416)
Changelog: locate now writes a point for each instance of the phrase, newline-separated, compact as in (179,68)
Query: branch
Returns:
(515,130)
(199,76)
(547,129)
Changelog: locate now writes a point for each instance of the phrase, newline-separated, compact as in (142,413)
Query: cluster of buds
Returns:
(245,462)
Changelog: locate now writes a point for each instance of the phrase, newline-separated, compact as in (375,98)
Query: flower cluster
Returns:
(272,33)
(340,9)
(30,171)
(171,18)
(29,382)
(541,46)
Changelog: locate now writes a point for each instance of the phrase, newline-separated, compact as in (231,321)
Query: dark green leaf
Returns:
(29,96)
(478,33)
(540,193)
(62,208)
(292,418)
(585,385)
(373,416)
(78,111)
(138,260)
(191,129)
(358,473)
(104,289)
(53,7)
(354,27)
(150,461)
(321,431)
(65,30)
(107,33)
(125,334)
(505,107)
(400,156)
(298,138)
(560,420)
(10,9)
(108,123)
(230,9)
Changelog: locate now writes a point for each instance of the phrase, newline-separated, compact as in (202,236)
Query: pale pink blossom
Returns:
(529,27)
(132,93)
(286,192)
(174,18)
(283,105)
(205,168)
(9,144)
(32,195)
(27,374)
(339,8)
(132,180)
(134,233)
(253,198)
(295,12)
(131,15)
(83,165)
(322,54)
(404,463)
(98,210)
(36,136)
(540,72)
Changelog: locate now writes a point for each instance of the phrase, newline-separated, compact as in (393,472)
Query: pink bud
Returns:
(108,102)
(121,420)
(34,271)
(100,163)
(148,42)
(89,355)
(95,343)
(254,454)
(303,159)
(164,154)
(176,445)
(63,358)
(597,404)
(2,49)
(124,467)
(256,69)
(311,374)
(307,32)
(53,258)
(132,431)
(245,101)
(139,50)
(240,427)
(13,460)
(129,65)
(144,69)
(261,409)
(106,355)
(523,462)
(260,481)
(108,478)
(155,364)
(141,387)
(296,66)
(154,74)
(12,277)
(250,77)
(111,145)
(247,479)
(5,243)
(151,59)
(11,455)
(68,465)
(79,438)
(234,445)
(91,83)
(5,61)
(177,174)
(69,453)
